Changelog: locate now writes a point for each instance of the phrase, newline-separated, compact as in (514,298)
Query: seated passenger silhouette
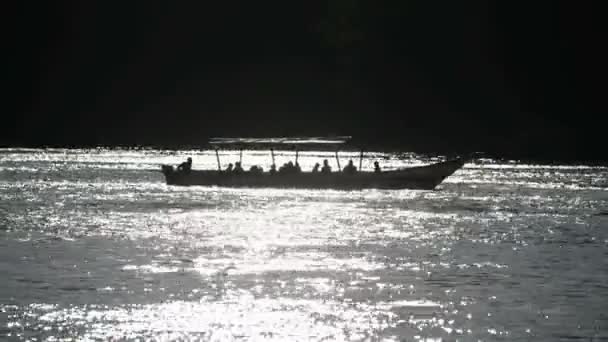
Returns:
(326,168)
(350,168)
(273,169)
(256,169)
(377,167)
(237,168)
(185,166)
(316,168)
(287,168)
(229,168)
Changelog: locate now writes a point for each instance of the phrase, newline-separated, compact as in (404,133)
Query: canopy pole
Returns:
(217,156)
(272,154)
(241,157)
(360,160)
(297,156)
(338,161)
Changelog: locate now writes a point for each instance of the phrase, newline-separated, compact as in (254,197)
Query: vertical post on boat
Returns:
(241,157)
(296,156)
(360,160)
(272,154)
(217,156)
(338,161)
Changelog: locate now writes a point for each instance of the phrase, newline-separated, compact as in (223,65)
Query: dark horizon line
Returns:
(369,147)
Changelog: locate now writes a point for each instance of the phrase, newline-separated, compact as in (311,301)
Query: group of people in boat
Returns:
(349,168)
(236,168)
(287,168)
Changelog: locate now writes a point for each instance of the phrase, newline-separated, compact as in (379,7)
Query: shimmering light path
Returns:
(94,246)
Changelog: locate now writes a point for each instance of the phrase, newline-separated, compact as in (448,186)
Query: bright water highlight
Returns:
(94,246)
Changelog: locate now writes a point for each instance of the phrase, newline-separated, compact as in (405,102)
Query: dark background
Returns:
(515,79)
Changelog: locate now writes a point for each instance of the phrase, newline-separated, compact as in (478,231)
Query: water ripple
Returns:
(95,247)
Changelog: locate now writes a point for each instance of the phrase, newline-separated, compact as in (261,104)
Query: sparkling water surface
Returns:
(95,246)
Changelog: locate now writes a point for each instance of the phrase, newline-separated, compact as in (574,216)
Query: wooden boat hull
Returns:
(421,177)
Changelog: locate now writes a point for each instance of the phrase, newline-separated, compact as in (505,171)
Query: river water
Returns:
(94,246)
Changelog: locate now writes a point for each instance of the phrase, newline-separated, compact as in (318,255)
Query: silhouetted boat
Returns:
(419,177)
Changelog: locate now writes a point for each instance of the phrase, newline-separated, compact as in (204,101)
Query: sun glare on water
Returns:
(96,247)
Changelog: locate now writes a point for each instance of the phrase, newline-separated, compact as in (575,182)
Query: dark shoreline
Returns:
(503,157)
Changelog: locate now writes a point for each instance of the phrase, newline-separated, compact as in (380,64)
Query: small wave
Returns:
(534,185)
(151,268)
(72,288)
(536,167)
(53,238)
(416,308)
